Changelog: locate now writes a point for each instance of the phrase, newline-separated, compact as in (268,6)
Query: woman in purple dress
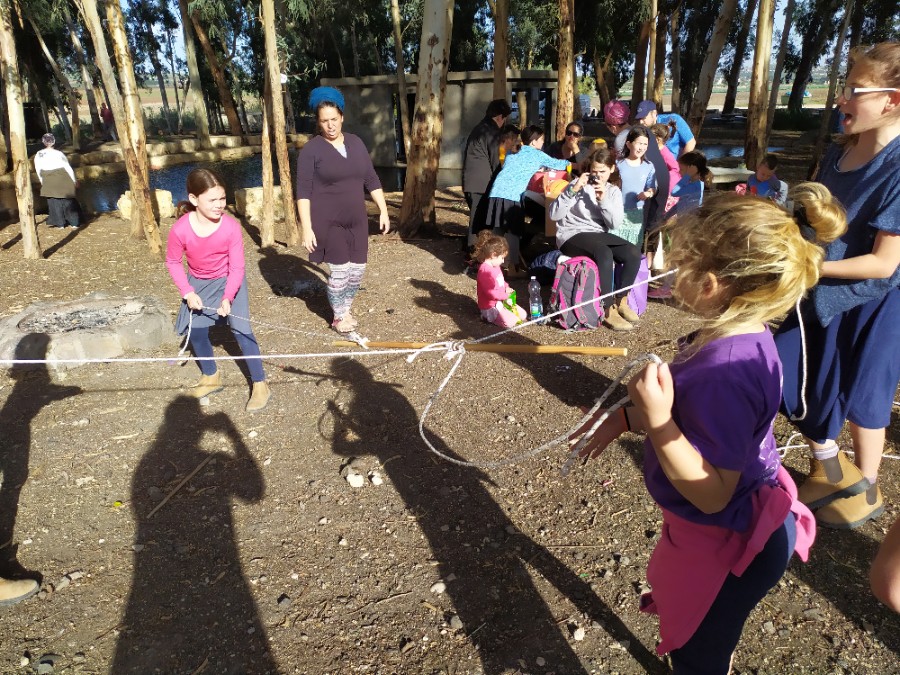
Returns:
(334,172)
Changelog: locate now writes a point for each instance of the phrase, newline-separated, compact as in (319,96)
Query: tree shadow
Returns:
(71,233)
(293,276)
(485,560)
(33,389)
(569,381)
(190,607)
(847,555)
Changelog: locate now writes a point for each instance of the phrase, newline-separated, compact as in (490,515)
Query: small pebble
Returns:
(438,587)
(356,480)
(375,478)
(61,584)
(342,542)
(578,634)
(284,601)
(455,622)
(204,402)
(267,461)
(75,576)
(79,658)
(253,434)
(24,661)
(137,548)
(769,628)
(541,661)
(323,520)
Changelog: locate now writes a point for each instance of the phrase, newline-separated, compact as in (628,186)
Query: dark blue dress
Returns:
(852,326)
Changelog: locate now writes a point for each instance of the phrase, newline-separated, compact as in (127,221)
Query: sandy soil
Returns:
(267,560)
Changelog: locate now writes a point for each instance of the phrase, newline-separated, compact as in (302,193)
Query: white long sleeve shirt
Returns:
(49,159)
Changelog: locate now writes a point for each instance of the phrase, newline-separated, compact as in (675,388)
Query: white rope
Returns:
(456,350)
(783,450)
(803,360)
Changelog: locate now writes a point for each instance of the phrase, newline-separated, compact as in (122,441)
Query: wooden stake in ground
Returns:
(500,349)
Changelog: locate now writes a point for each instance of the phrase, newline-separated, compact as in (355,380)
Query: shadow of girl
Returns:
(33,389)
(190,604)
(471,537)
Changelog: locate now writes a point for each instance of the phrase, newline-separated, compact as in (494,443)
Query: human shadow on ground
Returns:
(485,560)
(33,389)
(190,607)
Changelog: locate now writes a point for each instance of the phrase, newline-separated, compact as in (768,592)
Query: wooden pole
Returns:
(755,140)
(500,349)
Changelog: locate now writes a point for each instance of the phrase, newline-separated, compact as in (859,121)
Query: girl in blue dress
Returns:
(849,366)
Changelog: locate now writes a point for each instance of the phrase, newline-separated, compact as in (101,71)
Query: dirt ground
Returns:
(267,560)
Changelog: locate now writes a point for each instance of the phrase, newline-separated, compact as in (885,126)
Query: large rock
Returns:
(162,198)
(248,202)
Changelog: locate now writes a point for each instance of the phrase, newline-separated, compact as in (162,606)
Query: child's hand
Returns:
(224,308)
(609,431)
(193,301)
(653,393)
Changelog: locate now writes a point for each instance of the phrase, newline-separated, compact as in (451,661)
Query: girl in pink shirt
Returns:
(496,300)
(212,242)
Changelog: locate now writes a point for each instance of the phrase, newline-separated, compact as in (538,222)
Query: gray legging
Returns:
(605,249)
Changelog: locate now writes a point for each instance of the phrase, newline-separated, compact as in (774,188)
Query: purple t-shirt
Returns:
(726,398)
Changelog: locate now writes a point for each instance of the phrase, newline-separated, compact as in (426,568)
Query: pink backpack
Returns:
(577,281)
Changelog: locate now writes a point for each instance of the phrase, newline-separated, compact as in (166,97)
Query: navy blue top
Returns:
(871,196)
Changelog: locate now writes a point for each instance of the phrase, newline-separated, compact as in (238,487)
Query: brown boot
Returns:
(12,592)
(208,384)
(626,312)
(614,321)
(817,491)
(851,512)
(259,398)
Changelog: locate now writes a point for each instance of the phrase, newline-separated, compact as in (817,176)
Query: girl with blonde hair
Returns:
(731,518)
(847,365)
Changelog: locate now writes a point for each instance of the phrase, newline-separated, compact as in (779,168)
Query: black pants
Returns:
(605,249)
(478,203)
(62,212)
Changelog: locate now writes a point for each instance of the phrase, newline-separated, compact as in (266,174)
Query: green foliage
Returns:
(789,120)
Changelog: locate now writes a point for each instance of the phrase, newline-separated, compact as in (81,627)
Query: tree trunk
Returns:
(73,132)
(640,66)
(710,65)
(779,64)
(856,23)
(135,164)
(832,84)
(376,54)
(756,140)
(60,111)
(501,46)
(4,130)
(277,103)
(565,84)
(87,80)
(201,114)
(337,49)
(160,77)
(179,120)
(601,77)
(12,85)
(225,96)
(428,122)
(674,34)
(134,115)
(522,101)
(651,45)
(354,48)
(267,226)
(289,118)
(659,62)
(740,49)
(811,51)
(401,76)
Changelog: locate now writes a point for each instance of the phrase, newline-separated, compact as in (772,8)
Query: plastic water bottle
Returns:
(535,303)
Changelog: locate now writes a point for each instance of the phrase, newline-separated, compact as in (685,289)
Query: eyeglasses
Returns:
(575,134)
(847,92)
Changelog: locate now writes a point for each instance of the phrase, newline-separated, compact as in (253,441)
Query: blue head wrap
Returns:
(330,94)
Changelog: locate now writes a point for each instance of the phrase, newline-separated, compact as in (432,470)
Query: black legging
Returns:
(605,249)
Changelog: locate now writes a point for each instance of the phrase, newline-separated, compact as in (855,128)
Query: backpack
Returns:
(577,281)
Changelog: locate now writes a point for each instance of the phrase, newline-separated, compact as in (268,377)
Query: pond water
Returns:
(99,195)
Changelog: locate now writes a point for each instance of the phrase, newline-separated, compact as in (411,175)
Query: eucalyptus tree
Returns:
(129,125)
(53,23)
(12,85)
(756,139)
(779,63)
(144,18)
(815,35)
(565,69)
(738,48)
(216,21)
(428,120)
(87,79)
(201,115)
(500,12)
(532,40)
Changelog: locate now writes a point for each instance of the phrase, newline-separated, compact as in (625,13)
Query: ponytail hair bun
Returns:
(823,213)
